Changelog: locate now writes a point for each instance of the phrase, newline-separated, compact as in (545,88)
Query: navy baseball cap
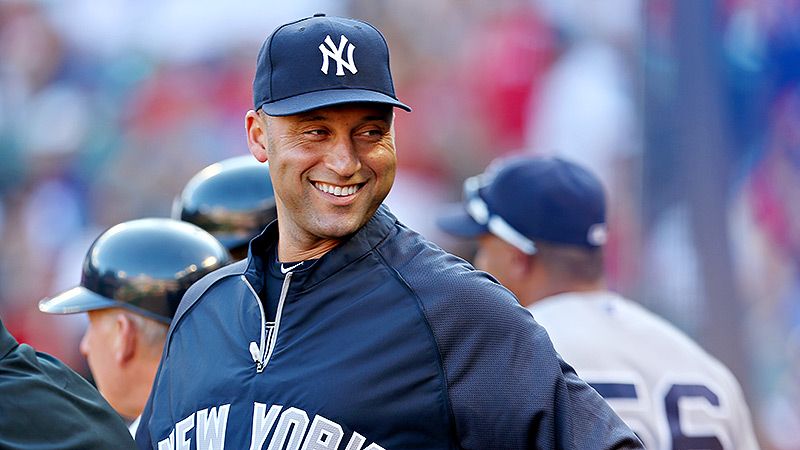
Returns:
(322,61)
(525,198)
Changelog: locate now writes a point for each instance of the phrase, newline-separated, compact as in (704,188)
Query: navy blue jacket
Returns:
(386,342)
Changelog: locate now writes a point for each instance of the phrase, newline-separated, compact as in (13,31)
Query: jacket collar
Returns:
(350,250)
(7,341)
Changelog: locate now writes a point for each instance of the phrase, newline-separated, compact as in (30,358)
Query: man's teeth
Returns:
(339,191)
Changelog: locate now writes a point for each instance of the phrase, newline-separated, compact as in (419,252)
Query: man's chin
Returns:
(342,227)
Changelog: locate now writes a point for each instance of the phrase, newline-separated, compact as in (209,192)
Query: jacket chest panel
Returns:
(358,354)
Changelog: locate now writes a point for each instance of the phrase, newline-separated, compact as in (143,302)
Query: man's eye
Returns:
(318,132)
(373,133)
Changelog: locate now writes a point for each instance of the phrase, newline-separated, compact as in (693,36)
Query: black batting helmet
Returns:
(143,265)
(231,199)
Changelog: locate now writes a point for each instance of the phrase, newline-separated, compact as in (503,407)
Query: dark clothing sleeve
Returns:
(46,405)
(511,390)
(507,386)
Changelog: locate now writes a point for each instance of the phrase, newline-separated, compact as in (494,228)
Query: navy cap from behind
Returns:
(525,198)
(322,61)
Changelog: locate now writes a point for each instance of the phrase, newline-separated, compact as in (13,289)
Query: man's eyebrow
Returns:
(311,117)
(382,117)
(370,117)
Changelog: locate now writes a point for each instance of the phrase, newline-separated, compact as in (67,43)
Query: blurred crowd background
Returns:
(689,110)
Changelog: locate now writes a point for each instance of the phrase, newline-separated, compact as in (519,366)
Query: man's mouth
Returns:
(339,191)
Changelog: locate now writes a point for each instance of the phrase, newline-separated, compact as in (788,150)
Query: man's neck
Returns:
(290,250)
(141,375)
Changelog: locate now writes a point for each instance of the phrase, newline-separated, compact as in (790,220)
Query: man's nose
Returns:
(343,158)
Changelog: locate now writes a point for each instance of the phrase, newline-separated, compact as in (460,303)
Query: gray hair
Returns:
(152,332)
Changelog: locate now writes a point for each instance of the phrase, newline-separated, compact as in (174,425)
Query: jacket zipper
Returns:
(255,348)
(262,353)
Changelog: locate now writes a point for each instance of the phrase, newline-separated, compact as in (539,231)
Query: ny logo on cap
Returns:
(336,53)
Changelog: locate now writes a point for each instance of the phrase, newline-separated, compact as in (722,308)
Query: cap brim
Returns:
(76,300)
(455,221)
(320,99)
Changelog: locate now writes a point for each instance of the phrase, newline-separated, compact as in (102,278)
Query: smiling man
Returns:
(343,329)
(334,166)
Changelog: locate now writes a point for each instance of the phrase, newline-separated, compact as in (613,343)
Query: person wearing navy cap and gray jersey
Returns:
(541,227)
(232,199)
(134,276)
(344,329)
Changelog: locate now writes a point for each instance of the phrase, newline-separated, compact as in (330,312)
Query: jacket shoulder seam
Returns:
(422,311)
(193,296)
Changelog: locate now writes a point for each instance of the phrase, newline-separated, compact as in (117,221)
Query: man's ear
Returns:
(523,263)
(125,342)
(256,135)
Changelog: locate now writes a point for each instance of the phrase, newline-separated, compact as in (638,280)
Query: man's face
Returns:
(331,168)
(97,346)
